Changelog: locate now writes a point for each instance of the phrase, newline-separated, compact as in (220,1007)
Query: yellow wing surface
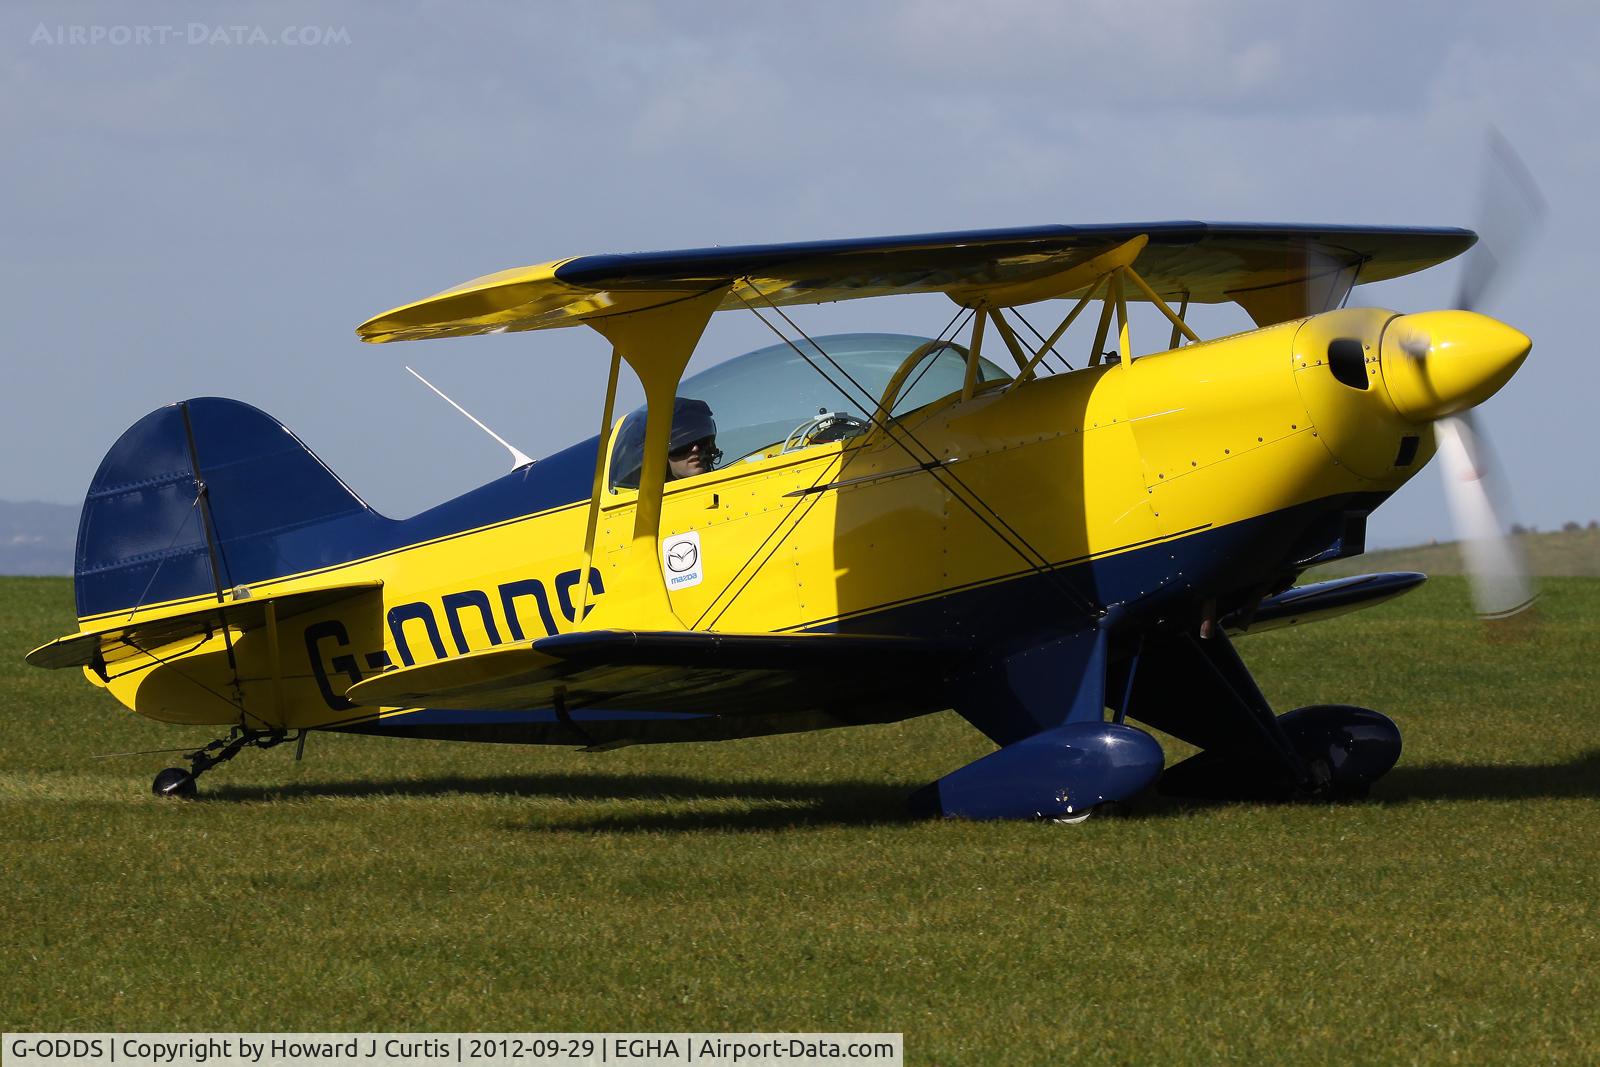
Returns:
(1275,272)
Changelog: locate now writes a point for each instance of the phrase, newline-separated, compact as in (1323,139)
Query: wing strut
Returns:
(1010,338)
(1048,343)
(657,343)
(1178,325)
(1109,268)
(599,481)
(974,351)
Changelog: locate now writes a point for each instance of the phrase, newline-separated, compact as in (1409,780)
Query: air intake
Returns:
(1348,361)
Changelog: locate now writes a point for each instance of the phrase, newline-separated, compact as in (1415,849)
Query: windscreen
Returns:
(786,397)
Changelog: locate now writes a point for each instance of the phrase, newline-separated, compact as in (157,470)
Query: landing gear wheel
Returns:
(1320,771)
(1341,751)
(174,782)
(1345,748)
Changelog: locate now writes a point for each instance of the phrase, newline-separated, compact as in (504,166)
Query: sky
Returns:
(206,199)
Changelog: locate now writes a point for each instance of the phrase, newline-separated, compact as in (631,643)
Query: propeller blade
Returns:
(1509,212)
(1494,562)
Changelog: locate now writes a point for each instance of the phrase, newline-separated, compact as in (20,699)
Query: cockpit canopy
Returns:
(790,396)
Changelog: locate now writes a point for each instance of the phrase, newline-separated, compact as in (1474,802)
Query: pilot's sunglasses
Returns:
(705,444)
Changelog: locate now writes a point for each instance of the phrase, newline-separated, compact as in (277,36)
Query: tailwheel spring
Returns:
(177,782)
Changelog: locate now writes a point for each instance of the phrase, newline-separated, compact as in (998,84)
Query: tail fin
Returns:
(206,494)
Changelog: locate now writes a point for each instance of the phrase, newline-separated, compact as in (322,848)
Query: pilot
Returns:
(692,449)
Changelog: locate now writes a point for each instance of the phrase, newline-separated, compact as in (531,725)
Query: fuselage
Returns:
(1172,486)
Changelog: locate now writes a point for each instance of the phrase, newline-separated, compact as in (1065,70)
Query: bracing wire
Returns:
(1037,562)
(1031,329)
(844,459)
(928,454)
(162,562)
(171,665)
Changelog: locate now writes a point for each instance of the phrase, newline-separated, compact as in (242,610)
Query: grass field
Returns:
(773,884)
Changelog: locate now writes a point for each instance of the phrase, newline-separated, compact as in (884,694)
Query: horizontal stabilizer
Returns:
(691,671)
(114,642)
(1323,600)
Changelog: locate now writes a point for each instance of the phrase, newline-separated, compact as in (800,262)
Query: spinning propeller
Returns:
(1457,359)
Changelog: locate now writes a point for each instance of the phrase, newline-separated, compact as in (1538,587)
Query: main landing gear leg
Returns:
(177,782)
(1199,691)
(1044,705)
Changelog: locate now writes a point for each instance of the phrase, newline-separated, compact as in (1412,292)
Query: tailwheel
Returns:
(177,782)
(174,782)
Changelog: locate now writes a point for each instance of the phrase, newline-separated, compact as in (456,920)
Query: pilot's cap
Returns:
(691,421)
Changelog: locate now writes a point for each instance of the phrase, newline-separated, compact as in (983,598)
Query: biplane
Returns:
(1063,543)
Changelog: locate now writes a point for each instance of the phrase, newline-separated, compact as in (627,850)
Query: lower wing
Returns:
(678,671)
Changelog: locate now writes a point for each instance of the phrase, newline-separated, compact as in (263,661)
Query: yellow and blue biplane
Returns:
(1056,542)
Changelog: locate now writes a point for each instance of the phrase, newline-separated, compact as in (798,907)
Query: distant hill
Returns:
(1562,554)
(37,538)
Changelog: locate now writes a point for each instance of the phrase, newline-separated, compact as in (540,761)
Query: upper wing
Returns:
(113,643)
(1273,270)
(675,671)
